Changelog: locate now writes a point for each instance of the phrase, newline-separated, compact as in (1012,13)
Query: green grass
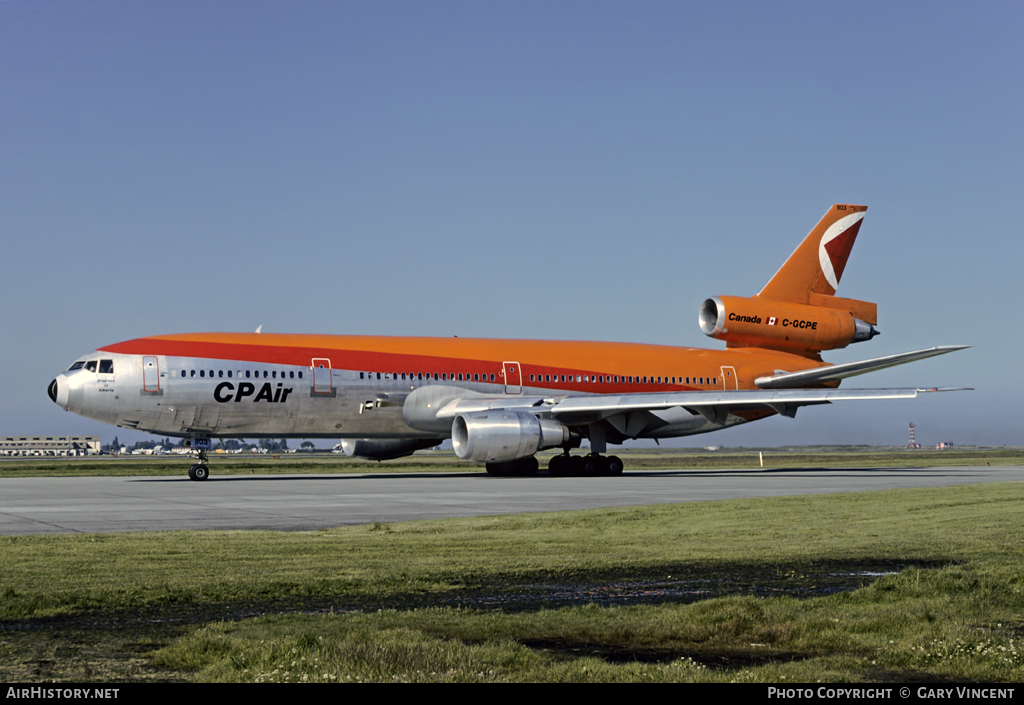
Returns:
(51,574)
(922,625)
(505,598)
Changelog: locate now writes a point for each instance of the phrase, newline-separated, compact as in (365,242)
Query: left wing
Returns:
(587,409)
(832,373)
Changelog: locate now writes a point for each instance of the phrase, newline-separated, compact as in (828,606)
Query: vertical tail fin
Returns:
(816,266)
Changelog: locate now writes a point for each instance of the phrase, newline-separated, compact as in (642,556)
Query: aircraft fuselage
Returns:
(267,385)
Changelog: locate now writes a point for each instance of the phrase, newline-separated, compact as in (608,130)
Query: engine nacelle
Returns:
(500,436)
(781,325)
(385,448)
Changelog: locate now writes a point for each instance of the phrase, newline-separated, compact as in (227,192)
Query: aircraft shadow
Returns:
(543,475)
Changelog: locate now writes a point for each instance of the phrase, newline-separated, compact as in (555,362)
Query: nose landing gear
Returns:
(199,470)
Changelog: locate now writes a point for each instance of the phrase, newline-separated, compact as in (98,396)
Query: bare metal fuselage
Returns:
(186,396)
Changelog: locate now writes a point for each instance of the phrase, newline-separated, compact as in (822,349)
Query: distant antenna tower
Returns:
(912,442)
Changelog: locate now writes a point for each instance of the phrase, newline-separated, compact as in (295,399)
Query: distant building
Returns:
(49,445)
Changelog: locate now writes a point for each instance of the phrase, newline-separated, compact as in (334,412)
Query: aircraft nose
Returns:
(58,391)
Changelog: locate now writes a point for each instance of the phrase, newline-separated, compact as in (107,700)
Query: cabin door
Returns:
(322,383)
(150,374)
(513,377)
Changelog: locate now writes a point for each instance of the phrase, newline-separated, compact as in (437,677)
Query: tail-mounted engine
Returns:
(791,327)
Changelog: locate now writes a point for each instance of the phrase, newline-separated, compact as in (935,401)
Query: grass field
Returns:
(904,585)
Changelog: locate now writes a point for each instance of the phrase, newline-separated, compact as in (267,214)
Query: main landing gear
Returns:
(199,471)
(595,464)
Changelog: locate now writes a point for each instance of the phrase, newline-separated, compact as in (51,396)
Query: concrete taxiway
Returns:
(304,502)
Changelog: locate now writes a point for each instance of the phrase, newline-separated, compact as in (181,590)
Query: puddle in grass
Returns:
(670,590)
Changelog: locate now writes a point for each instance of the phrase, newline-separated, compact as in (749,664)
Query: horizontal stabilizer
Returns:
(832,373)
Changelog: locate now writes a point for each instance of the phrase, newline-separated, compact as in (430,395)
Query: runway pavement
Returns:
(303,502)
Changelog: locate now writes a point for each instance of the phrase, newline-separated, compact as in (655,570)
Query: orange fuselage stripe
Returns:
(472,355)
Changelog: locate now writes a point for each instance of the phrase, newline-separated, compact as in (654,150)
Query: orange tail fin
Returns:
(816,266)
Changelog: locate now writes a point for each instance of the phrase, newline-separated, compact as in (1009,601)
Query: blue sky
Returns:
(571,170)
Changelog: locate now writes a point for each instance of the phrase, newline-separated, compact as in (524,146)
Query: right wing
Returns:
(832,373)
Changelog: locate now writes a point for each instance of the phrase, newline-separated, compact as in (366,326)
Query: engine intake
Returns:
(500,436)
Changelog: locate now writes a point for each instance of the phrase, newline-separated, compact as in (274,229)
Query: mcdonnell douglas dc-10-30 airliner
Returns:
(500,401)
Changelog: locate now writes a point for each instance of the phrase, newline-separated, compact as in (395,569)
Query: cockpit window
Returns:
(106,367)
(91,365)
(77,365)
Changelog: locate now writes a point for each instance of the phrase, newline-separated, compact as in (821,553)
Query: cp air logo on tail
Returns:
(817,265)
(835,246)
